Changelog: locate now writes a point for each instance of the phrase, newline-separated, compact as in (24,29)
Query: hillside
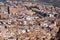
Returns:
(53,2)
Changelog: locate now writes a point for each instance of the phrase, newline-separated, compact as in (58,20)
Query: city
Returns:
(28,20)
